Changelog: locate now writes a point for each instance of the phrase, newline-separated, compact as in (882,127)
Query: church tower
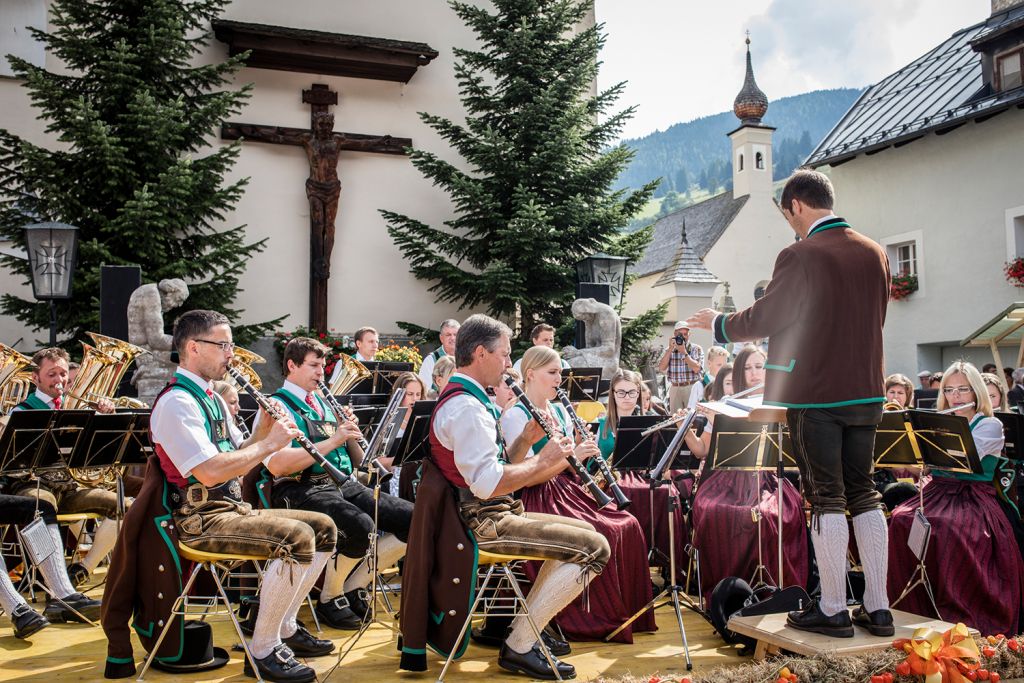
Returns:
(752,141)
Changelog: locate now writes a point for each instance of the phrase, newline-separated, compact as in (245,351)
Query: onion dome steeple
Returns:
(751,104)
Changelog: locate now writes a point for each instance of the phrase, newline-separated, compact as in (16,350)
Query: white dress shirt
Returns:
(300,395)
(179,427)
(45,398)
(464,426)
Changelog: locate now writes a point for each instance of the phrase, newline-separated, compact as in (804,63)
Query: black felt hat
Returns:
(197,652)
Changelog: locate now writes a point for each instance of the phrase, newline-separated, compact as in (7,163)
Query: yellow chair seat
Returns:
(492,558)
(194,555)
(590,410)
(77,517)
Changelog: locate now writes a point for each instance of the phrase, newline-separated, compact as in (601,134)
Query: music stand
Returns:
(582,384)
(384,374)
(22,439)
(942,442)
(248,409)
(895,445)
(1013,430)
(63,437)
(414,443)
(634,451)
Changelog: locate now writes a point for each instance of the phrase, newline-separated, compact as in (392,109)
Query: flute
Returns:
(339,477)
(621,501)
(602,498)
(947,411)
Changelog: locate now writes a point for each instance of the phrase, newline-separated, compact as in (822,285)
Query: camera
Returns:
(680,339)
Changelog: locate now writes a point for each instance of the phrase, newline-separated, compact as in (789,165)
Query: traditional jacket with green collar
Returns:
(823,314)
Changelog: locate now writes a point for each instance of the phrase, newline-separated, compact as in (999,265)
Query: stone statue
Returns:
(603,338)
(146,309)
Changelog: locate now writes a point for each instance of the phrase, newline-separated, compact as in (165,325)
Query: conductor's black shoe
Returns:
(302,643)
(280,666)
(533,664)
(336,613)
(814,620)
(78,574)
(878,623)
(58,611)
(357,602)
(27,621)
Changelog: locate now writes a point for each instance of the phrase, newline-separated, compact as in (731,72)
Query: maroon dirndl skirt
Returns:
(625,584)
(974,565)
(725,534)
(639,493)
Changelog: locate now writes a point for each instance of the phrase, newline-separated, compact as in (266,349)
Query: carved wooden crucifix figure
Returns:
(323,188)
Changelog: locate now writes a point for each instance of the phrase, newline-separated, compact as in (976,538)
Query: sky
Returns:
(684,59)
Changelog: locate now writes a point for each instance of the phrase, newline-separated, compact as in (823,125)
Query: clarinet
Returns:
(602,498)
(339,412)
(621,501)
(337,475)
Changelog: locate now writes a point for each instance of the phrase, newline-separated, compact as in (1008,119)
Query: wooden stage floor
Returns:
(76,652)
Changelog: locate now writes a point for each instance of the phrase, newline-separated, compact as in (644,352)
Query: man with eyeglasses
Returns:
(202,457)
(823,314)
(683,365)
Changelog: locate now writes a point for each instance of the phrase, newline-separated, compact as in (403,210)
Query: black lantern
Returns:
(603,268)
(52,252)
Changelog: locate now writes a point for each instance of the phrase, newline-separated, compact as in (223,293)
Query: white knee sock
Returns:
(289,626)
(10,599)
(831,539)
(873,545)
(102,543)
(557,584)
(338,570)
(53,569)
(389,551)
(280,581)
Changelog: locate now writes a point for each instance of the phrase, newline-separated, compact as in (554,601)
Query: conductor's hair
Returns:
(811,187)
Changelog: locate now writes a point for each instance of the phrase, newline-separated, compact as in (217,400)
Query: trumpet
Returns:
(339,477)
(600,496)
(621,501)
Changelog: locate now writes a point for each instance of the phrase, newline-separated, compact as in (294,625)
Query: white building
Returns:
(928,162)
(730,239)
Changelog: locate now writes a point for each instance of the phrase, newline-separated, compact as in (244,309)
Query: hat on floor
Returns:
(197,651)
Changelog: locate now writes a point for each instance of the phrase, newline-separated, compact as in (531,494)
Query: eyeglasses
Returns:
(632,393)
(225,347)
(949,391)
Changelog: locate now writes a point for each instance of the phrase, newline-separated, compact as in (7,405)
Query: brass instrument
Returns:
(892,406)
(242,361)
(354,373)
(605,470)
(15,378)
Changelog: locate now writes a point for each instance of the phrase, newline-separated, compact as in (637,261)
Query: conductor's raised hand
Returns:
(702,319)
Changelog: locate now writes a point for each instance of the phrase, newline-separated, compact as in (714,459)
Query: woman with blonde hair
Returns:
(976,577)
(443,370)
(996,392)
(624,585)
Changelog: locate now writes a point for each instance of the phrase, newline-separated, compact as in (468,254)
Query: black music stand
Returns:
(634,451)
(63,437)
(942,442)
(582,384)
(22,439)
(414,443)
(248,409)
(383,376)
(894,441)
(1013,429)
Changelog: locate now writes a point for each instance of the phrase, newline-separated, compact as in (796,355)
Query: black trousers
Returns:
(834,449)
(351,508)
(20,510)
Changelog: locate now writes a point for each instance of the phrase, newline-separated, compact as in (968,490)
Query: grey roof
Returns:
(938,91)
(704,224)
(686,267)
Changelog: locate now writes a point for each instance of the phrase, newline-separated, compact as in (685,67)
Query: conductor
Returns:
(823,314)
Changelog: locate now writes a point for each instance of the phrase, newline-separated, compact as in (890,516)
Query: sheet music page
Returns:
(734,407)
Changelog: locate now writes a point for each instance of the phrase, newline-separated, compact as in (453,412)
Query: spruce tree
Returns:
(130,117)
(533,195)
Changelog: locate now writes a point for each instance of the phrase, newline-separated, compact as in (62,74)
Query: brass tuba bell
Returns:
(353,373)
(243,360)
(15,378)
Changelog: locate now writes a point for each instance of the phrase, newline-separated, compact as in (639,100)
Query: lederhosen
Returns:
(351,506)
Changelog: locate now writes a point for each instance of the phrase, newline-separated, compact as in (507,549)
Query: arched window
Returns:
(759,289)
(759,161)
(741,163)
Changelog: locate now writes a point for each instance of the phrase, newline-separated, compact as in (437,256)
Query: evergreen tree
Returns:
(535,196)
(131,115)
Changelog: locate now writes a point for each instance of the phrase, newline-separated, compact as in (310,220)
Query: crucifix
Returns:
(323,188)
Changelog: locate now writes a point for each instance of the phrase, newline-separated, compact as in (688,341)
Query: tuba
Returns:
(15,378)
(242,360)
(353,373)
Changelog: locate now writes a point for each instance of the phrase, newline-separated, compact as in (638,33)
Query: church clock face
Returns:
(612,278)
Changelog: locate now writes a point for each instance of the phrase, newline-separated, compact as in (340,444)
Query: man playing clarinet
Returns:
(823,314)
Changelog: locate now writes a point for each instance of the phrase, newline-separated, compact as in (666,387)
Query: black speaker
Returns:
(116,286)
(599,291)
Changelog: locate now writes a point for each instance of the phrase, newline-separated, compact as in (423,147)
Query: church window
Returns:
(759,161)
(741,163)
(1008,69)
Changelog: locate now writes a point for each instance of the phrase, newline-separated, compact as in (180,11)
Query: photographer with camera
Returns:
(683,364)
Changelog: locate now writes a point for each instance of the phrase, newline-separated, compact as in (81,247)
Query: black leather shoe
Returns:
(304,644)
(533,664)
(486,635)
(281,667)
(814,620)
(878,623)
(556,645)
(357,602)
(336,613)
(59,611)
(78,574)
(27,621)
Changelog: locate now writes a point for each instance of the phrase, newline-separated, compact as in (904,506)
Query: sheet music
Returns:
(734,407)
